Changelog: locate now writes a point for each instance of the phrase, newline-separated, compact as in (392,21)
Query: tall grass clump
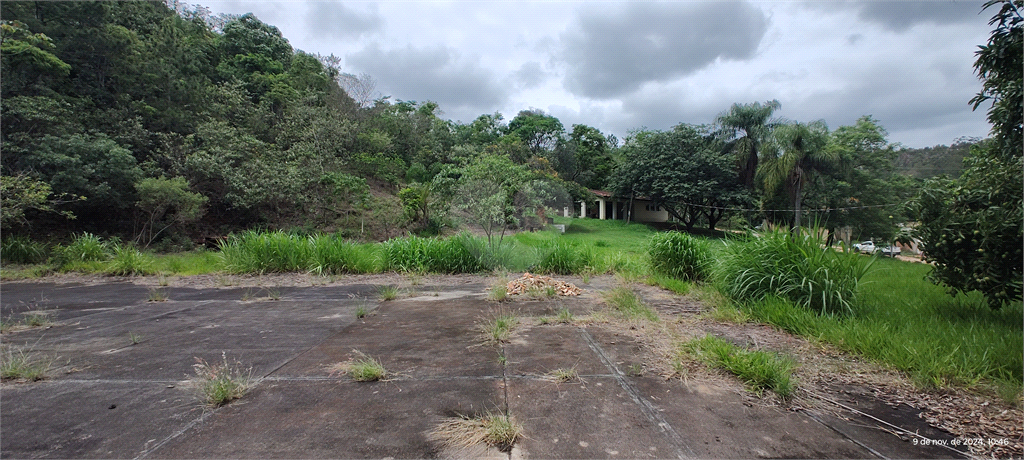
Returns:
(758,369)
(128,261)
(798,267)
(428,255)
(565,258)
(505,255)
(85,247)
(22,250)
(680,256)
(333,255)
(265,252)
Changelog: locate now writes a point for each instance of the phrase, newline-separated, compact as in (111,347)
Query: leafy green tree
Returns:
(971,228)
(1000,65)
(487,191)
(20,194)
(539,131)
(801,154)
(744,128)
(682,170)
(27,59)
(94,167)
(166,203)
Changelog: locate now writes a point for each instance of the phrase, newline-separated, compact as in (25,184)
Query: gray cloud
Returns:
(901,16)
(334,19)
(614,54)
(436,73)
(530,75)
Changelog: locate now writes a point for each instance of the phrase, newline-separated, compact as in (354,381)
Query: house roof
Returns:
(601,193)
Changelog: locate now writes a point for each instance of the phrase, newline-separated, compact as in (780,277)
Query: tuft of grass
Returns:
(498,292)
(564,316)
(361,312)
(629,304)
(128,261)
(675,285)
(496,430)
(19,365)
(797,267)
(22,250)
(563,375)
(37,318)
(499,328)
(157,295)
(221,383)
(759,370)
(386,293)
(679,255)
(363,368)
(134,338)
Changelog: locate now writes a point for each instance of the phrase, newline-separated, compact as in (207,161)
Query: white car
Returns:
(865,246)
(891,251)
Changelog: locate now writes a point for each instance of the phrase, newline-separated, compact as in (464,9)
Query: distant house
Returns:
(606,206)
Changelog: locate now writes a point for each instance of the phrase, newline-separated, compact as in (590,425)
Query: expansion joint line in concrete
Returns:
(504,383)
(683,450)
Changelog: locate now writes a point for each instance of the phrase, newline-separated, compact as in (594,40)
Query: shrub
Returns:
(563,258)
(679,255)
(22,250)
(797,267)
(86,247)
(422,255)
(129,261)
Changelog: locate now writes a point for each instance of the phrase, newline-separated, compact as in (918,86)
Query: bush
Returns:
(86,247)
(679,255)
(22,250)
(564,258)
(129,261)
(796,267)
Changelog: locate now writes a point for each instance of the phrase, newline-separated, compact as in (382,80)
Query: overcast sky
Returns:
(620,66)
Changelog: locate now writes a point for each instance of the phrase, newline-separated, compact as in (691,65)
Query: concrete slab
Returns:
(125,400)
(595,419)
(539,350)
(97,419)
(333,419)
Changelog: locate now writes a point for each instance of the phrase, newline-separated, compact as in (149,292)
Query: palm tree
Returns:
(744,128)
(800,152)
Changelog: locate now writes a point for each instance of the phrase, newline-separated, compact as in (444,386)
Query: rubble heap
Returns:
(530,281)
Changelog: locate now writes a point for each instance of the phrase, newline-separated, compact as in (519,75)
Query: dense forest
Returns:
(166,126)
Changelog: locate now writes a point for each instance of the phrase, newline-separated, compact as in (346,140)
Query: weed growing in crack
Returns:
(565,375)
(134,338)
(496,430)
(19,365)
(499,328)
(37,318)
(363,368)
(386,293)
(221,383)
(564,316)
(629,304)
(157,295)
(498,292)
(361,312)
